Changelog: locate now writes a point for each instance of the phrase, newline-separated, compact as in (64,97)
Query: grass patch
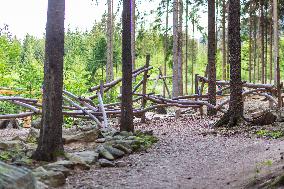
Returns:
(270,134)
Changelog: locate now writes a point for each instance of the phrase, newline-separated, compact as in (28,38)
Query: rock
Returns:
(4,124)
(118,137)
(120,164)
(33,135)
(101,140)
(88,157)
(8,145)
(133,144)
(125,133)
(115,152)
(50,177)
(70,164)
(105,163)
(41,185)
(13,177)
(124,148)
(37,124)
(13,124)
(58,168)
(88,136)
(104,153)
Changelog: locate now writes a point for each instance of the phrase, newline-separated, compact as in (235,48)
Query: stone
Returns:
(101,140)
(120,164)
(8,145)
(104,153)
(88,136)
(115,152)
(88,157)
(13,177)
(125,133)
(106,163)
(37,123)
(133,144)
(70,164)
(13,124)
(124,148)
(58,168)
(33,135)
(49,177)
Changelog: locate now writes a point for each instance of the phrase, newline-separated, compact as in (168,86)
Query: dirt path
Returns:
(186,158)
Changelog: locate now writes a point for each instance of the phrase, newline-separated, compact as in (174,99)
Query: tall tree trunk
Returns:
(50,143)
(211,56)
(262,54)
(224,40)
(236,107)
(276,40)
(126,123)
(254,47)
(175,49)
(276,53)
(193,56)
(109,66)
(266,42)
(166,45)
(270,47)
(250,42)
(133,28)
(186,49)
(180,49)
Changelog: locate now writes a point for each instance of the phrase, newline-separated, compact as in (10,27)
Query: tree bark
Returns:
(276,41)
(224,62)
(250,42)
(186,48)
(133,28)
(211,56)
(126,123)
(50,143)
(235,112)
(166,46)
(109,66)
(175,49)
(180,50)
(262,41)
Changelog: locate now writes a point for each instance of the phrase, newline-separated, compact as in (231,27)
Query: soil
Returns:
(189,154)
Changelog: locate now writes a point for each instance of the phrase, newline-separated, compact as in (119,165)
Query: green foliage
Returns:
(146,140)
(270,134)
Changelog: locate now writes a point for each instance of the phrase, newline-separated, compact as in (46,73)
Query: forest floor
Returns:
(189,154)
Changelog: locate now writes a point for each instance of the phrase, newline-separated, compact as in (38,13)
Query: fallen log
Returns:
(245,84)
(115,82)
(13,116)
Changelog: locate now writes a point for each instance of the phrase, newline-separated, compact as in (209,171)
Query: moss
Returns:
(145,140)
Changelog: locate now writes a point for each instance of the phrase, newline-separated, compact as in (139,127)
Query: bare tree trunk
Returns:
(166,45)
(180,50)
(224,40)
(126,123)
(276,40)
(186,49)
(211,57)
(133,28)
(254,48)
(266,42)
(270,47)
(262,54)
(250,42)
(276,52)
(192,56)
(109,66)
(235,112)
(50,143)
(175,49)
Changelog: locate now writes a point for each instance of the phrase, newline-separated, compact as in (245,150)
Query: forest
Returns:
(187,94)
